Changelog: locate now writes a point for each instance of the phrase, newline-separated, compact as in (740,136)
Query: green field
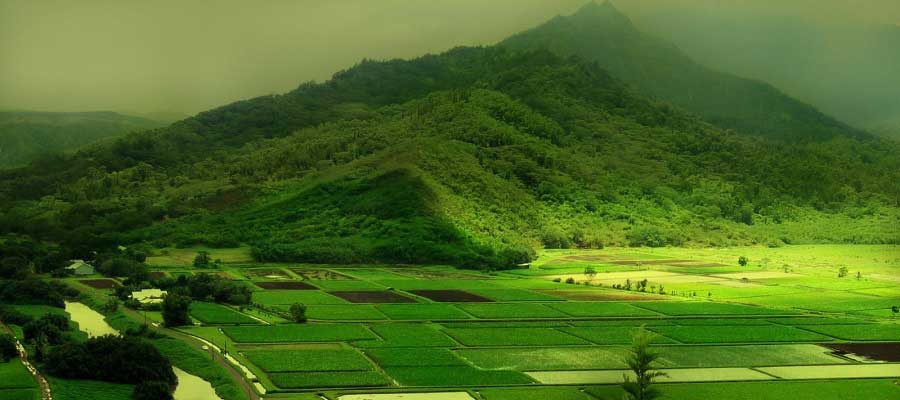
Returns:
(13,375)
(211,313)
(771,319)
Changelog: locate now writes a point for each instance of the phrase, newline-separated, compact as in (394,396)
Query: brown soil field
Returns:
(451,296)
(372,296)
(289,285)
(100,283)
(873,351)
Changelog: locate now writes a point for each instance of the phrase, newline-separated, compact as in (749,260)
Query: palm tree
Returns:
(640,361)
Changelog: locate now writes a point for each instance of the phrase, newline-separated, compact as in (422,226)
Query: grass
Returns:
(69,389)
(885,332)
(508,311)
(434,311)
(408,335)
(20,394)
(308,360)
(298,333)
(344,312)
(283,297)
(546,358)
(211,313)
(13,375)
(513,337)
(812,390)
(185,256)
(738,334)
(601,309)
(683,308)
(38,310)
(306,380)
(540,393)
(610,334)
(414,357)
(753,355)
(454,376)
(514,295)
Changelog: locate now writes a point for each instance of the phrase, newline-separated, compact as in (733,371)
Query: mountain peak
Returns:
(604,12)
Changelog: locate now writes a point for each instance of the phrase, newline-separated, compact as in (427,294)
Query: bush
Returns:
(298,313)
(8,349)
(50,329)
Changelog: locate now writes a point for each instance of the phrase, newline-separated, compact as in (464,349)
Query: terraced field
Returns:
(524,334)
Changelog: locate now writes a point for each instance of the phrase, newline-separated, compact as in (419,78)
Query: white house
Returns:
(79,267)
(149,296)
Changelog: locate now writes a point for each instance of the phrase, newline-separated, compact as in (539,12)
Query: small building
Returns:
(79,267)
(149,296)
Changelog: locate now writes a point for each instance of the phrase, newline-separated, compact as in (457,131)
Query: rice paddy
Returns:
(403,332)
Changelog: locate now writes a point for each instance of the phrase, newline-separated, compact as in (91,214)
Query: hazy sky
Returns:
(192,55)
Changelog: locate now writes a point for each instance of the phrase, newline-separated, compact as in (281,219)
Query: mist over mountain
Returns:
(846,68)
(601,33)
(27,134)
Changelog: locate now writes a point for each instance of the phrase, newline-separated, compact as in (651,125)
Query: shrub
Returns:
(175,310)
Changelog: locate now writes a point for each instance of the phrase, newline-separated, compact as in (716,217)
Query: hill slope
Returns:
(26,134)
(599,32)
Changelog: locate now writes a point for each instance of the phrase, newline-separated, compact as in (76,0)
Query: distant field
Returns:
(185,256)
(468,330)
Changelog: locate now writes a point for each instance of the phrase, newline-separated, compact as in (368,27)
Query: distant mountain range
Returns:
(581,132)
(27,134)
(847,69)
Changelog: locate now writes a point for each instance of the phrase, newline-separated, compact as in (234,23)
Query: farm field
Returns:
(784,318)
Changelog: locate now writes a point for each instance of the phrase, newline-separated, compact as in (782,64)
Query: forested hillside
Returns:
(27,134)
(474,157)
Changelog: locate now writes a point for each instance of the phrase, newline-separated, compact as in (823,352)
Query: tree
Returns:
(175,309)
(152,390)
(858,275)
(895,310)
(743,261)
(8,348)
(590,273)
(202,259)
(298,313)
(640,360)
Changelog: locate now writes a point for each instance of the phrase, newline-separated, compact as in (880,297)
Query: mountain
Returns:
(26,134)
(473,157)
(846,69)
(656,68)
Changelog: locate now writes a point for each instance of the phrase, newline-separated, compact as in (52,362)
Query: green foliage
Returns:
(25,135)
(640,361)
(202,259)
(742,261)
(112,359)
(298,312)
(175,310)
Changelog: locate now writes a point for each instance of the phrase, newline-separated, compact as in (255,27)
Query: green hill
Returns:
(473,157)
(27,134)
(656,68)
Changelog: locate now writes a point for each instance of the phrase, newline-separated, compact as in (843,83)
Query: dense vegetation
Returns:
(473,157)
(25,135)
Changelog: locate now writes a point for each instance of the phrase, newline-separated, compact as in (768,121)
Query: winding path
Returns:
(42,382)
